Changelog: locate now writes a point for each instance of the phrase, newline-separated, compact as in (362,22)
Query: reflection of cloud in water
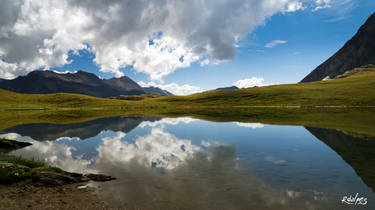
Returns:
(196,179)
(169,121)
(275,160)
(68,139)
(250,125)
(16,137)
(207,180)
(208,144)
(52,153)
(158,149)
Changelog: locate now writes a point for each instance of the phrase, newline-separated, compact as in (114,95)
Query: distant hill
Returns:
(358,51)
(156,90)
(42,82)
(228,88)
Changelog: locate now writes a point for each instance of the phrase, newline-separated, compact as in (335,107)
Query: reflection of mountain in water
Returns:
(358,152)
(83,130)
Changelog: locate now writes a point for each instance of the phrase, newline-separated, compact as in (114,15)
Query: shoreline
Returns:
(24,195)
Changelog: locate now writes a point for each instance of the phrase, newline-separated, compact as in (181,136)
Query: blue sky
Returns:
(303,39)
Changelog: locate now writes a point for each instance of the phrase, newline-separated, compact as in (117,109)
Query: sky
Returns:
(181,46)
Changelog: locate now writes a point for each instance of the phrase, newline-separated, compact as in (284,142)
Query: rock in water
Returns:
(49,178)
(99,177)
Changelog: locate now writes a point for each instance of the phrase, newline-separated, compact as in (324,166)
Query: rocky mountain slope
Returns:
(358,51)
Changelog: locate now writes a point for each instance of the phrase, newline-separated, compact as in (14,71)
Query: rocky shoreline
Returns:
(43,188)
(52,178)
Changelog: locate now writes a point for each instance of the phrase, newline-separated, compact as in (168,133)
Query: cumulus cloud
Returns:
(173,87)
(9,70)
(153,37)
(250,82)
(275,43)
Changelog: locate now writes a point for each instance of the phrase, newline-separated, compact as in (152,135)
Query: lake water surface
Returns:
(185,163)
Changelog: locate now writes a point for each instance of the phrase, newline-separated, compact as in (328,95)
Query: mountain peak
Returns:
(358,51)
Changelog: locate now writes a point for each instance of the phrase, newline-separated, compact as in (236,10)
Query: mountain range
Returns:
(358,51)
(42,82)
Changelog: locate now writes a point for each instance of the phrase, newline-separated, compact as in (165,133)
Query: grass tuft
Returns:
(9,176)
(24,162)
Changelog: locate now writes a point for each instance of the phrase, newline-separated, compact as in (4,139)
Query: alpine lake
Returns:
(189,163)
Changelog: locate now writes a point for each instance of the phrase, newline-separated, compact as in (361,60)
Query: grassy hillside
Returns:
(311,105)
(354,90)
(66,101)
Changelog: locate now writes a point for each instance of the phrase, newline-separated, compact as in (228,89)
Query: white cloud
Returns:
(65,72)
(40,34)
(275,43)
(322,4)
(250,82)
(173,88)
(250,125)
(294,6)
(9,70)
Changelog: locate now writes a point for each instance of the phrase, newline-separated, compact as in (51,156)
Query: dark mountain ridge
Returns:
(228,88)
(82,130)
(43,82)
(358,51)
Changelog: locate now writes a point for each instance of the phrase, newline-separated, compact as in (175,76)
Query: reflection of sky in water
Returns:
(184,157)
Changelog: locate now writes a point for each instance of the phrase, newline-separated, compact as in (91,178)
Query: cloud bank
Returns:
(250,82)
(174,88)
(152,37)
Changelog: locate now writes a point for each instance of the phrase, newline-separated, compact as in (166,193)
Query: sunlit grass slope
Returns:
(62,101)
(355,90)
